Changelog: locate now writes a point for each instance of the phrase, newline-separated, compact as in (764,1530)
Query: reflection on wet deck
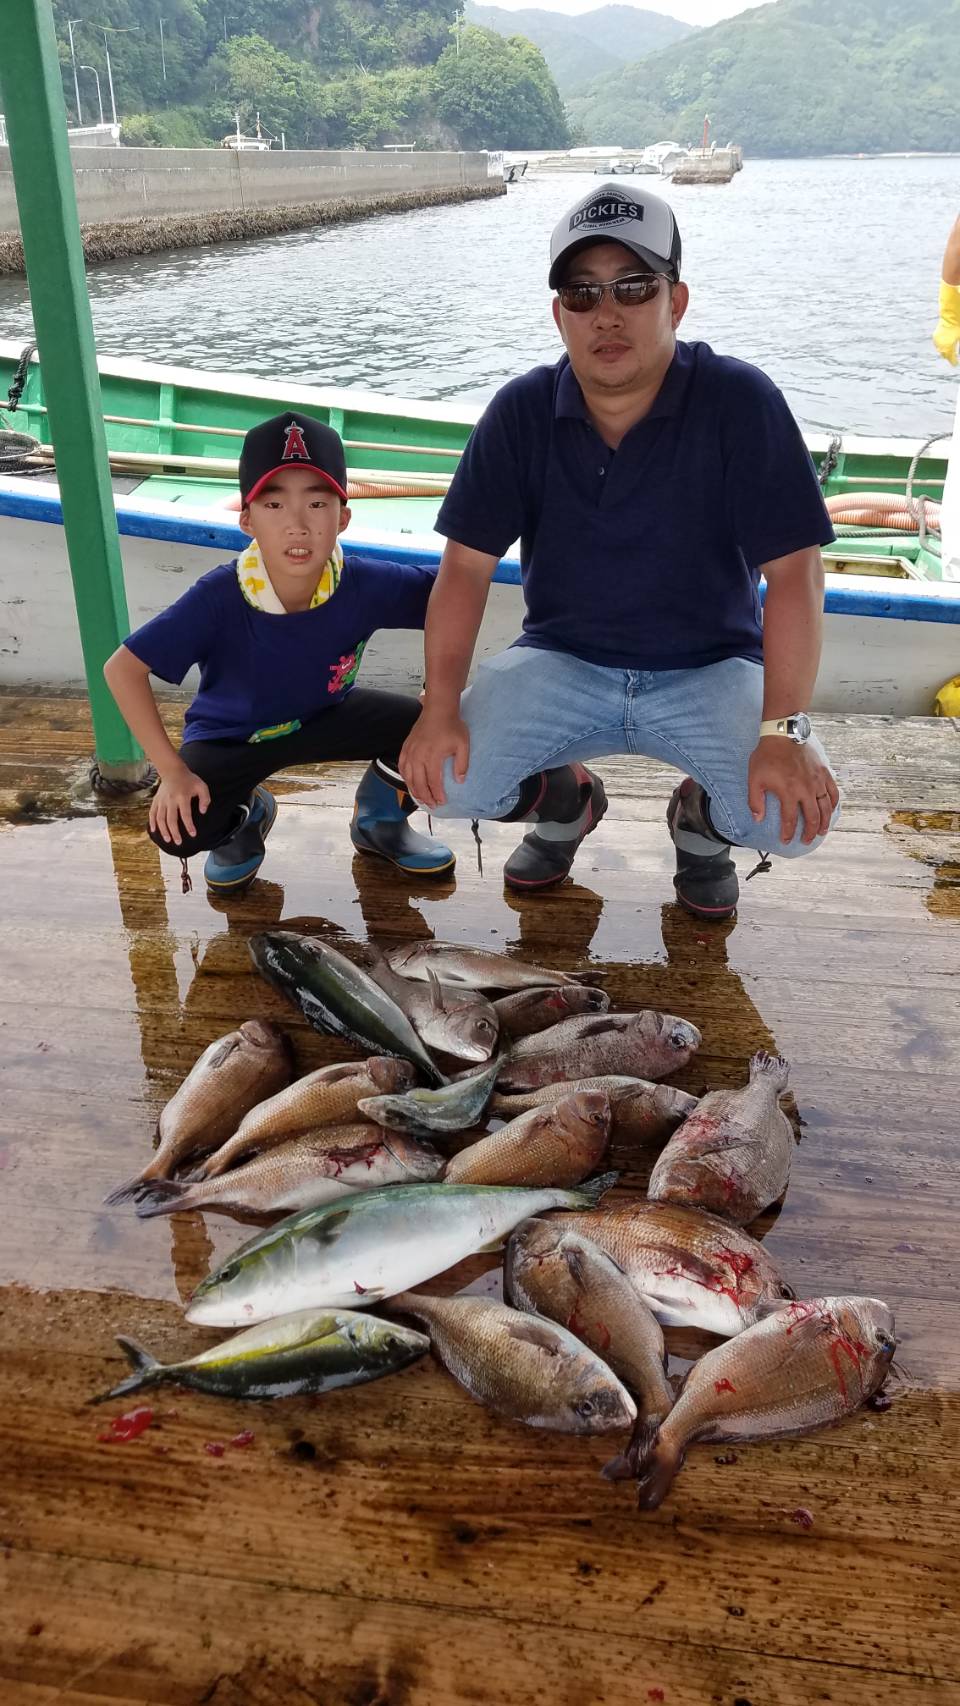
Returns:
(396,1544)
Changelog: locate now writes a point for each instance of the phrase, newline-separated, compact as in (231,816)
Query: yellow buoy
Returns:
(947,702)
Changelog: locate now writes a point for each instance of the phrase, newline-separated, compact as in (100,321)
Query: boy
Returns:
(278,634)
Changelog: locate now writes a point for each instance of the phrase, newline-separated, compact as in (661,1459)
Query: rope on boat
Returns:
(918,506)
(16,448)
(830,460)
(20,377)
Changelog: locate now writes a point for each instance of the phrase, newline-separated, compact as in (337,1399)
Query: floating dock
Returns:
(396,1545)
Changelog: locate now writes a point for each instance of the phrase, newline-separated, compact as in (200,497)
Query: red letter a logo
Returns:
(295,450)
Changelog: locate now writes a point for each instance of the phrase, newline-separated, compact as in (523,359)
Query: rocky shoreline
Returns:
(121,238)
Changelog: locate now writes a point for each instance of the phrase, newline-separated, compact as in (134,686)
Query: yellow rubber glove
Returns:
(947,334)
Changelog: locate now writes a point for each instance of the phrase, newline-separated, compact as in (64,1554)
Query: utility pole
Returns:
(73,60)
(163,60)
(99,96)
(127,30)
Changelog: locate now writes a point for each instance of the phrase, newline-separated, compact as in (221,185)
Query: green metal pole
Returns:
(32,100)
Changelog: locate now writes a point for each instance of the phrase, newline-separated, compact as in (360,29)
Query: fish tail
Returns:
(629,1464)
(124,1193)
(772,1066)
(144,1371)
(596,1188)
(656,1472)
(164,1196)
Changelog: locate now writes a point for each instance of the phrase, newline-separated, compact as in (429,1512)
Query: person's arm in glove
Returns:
(947,334)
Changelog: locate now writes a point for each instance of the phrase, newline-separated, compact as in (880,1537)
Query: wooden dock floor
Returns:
(396,1545)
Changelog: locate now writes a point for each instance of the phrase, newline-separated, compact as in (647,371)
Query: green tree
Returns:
(498,93)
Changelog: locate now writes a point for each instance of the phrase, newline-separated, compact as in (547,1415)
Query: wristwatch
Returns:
(798,728)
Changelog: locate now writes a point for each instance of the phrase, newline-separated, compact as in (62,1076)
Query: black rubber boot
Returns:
(380,813)
(566,804)
(706,879)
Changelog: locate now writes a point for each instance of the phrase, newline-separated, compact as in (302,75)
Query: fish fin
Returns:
(124,1193)
(771,1306)
(144,1366)
(804,1329)
(594,1189)
(436,991)
(530,1332)
(772,1066)
(163,1196)
(657,1473)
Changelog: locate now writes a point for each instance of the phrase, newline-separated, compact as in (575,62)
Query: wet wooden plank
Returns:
(397,1546)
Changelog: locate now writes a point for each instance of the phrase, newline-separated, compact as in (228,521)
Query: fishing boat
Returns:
(892,628)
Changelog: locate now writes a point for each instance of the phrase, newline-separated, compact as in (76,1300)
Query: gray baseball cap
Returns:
(614,214)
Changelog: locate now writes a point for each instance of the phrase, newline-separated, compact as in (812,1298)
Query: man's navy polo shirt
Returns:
(647,557)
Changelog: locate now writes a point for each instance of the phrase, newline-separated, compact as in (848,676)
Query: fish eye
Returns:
(229,1272)
(585,1407)
(885,1343)
(679,1038)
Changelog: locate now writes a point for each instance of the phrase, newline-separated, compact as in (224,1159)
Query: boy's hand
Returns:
(437,736)
(173,801)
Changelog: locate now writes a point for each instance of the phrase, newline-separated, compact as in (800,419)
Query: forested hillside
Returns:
(579,49)
(321,73)
(796,77)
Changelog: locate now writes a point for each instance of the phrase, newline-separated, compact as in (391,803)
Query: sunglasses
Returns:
(626,292)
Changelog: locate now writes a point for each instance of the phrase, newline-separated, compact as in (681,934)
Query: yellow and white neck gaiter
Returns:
(259,590)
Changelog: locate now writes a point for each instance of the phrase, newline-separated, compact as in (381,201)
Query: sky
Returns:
(688,11)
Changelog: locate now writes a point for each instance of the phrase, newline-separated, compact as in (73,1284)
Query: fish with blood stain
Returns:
(799,1367)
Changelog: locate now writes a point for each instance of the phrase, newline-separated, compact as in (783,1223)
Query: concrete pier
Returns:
(139,200)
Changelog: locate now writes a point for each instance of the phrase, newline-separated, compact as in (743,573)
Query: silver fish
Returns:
(732,1156)
(520,1366)
(328,1096)
(556,1273)
(313,1350)
(803,1367)
(369,1246)
(693,1269)
(527,1011)
(473,968)
(233,1074)
(456,1107)
(460,1023)
(647,1043)
(335,995)
(642,1111)
(303,1172)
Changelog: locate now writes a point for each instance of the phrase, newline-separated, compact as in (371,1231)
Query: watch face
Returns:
(800,726)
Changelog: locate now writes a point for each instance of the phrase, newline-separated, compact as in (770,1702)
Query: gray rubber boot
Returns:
(568,804)
(706,877)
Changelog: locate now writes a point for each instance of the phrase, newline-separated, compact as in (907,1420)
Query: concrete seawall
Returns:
(139,200)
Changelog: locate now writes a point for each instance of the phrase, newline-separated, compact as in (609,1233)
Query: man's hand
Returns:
(172,804)
(799,780)
(437,736)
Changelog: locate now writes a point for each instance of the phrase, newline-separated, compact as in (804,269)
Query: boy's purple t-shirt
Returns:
(259,671)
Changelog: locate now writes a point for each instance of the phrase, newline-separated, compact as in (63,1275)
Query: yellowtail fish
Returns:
(521,1366)
(804,1366)
(231,1076)
(313,1350)
(368,1247)
(457,1107)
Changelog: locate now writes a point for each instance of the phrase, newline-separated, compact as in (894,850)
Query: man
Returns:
(651,483)
(947,340)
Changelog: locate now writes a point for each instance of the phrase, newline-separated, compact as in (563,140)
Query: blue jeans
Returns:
(530,710)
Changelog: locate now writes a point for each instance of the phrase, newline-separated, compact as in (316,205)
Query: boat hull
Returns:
(889,645)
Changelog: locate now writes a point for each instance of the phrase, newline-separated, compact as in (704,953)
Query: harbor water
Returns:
(823,272)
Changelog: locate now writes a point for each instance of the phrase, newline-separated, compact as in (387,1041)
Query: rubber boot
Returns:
(566,805)
(232,865)
(380,812)
(706,877)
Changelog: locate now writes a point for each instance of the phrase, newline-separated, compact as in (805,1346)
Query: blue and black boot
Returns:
(706,878)
(380,813)
(232,865)
(565,805)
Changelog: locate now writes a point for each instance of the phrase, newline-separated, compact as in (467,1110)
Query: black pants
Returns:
(366,724)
